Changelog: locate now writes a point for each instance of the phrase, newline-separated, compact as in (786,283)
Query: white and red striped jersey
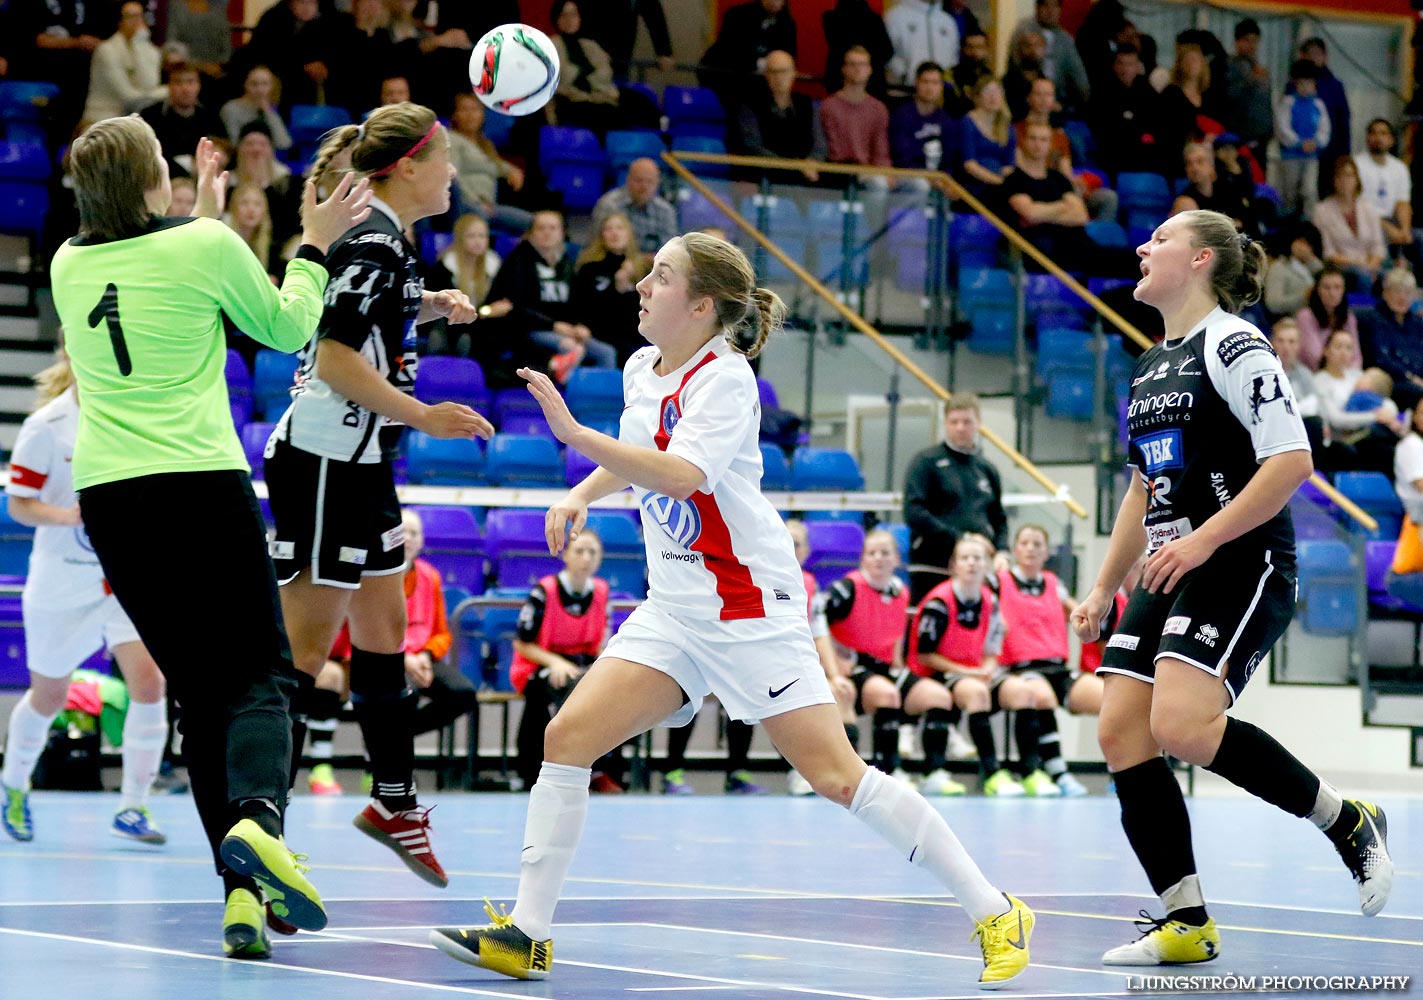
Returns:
(724,553)
(64,571)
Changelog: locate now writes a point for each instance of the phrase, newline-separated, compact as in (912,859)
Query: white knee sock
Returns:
(901,816)
(558,805)
(145,729)
(24,744)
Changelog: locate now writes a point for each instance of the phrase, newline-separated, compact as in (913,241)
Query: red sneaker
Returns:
(407,833)
(604,785)
(279,925)
(562,365)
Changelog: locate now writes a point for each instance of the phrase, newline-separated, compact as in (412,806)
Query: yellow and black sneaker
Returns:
(1167,942)
(1365,852)
(249,850)
(1004,940)
(501,947)
(243,933)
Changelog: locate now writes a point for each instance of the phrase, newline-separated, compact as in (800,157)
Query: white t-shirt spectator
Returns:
(1383,186)
(124,75)
(1407,470)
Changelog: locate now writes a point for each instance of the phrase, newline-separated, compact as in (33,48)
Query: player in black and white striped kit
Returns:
(1217,448)
(339,548)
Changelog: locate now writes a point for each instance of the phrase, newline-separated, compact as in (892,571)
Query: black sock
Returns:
(385,708)
(886,739)
(852,733)
(980,730)
(1250,758)
(264,813)
(936,738)
(1158,827)
(1050,744)
(738,746)
(1025,731)
(300,709)
(1348,819)
(677,740)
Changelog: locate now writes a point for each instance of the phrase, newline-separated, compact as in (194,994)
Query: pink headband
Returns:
(412,151)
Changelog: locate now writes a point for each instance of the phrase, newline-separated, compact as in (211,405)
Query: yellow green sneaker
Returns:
(500,947)
(249,850)
(16,813)
(1004,940)
(1167,942)
(1040,786)
(244,932)
(1002,784)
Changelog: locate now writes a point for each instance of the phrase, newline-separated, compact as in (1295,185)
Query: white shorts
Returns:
(58,640)
(757,667)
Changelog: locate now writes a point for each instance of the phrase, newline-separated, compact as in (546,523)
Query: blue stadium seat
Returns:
(514,540)
(1144,193)
(825,469)
(1050,303)
(535,424)
(901,542)
(467,627)
(499,629)
(454,546)
(272,375)
(459,380)
(835,548)
(564,144)
(432,247)
(1083,145)
(595,394)
(254,443)
(775,470)
(986,286)
(580,184)
(693,111)
(1069,392)
(992,329)
(241,410)
(497,127)
(782,221)
(827,234)
(239,379)
(24,161)
(1328,578)
(25,100)
(624,146)
(309,122)
(23,207)
(523,460)
(767,393)
(16,540)
(507,401)
(1107,233)
(14,667)
(440,462)
(624,557)
(974,241)
(577,467)
(1373,491)
(683,143)
(1058,347)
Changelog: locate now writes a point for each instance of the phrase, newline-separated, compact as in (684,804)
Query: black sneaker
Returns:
(500,947)
(1365,853)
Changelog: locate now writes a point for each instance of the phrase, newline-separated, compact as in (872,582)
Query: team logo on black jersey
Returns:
(680,519)
(1184,369)
(1156,373)
(1268,389)
(1237,345)
(1161,451)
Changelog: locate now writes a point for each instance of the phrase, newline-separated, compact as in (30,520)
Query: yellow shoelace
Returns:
(500,917)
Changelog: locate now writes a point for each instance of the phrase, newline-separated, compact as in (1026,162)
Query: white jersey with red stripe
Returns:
(64,571)
(724,553)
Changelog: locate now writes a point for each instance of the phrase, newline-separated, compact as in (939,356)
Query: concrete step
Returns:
(20,328)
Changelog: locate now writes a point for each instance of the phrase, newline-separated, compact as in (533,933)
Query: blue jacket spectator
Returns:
(1391,337)
(922,135)
(1336,101)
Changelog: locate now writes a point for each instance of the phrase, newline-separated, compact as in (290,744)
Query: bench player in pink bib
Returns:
(725,613)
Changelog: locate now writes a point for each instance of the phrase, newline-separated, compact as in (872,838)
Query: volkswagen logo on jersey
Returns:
(670,415)
(678,518)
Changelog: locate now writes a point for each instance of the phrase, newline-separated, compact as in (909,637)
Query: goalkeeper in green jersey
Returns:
(158,467)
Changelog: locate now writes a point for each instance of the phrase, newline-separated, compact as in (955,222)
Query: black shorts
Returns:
(340,518)
(1223,613)
(1058,676)
(903,679)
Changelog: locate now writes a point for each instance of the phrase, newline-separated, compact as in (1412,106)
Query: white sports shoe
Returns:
(1070,787)
(940,783)
(797,785)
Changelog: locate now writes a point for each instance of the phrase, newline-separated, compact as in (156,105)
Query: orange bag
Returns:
(1408,556)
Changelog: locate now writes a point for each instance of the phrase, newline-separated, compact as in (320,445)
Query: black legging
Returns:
(450,695)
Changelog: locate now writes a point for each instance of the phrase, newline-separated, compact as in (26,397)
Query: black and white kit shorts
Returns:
(902,678)
(1057,674)
(340,518)
(1227,613)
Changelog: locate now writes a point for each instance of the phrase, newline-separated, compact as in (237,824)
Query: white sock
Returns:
(901,816)
(1328,804)
(24,743)
(558,805)
(145,729)
(1185,893)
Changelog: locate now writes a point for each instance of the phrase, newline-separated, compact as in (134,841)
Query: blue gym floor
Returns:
(760,897)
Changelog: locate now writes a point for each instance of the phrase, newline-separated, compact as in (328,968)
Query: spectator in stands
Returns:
(1360,420)
(125,71)
(1385,183)
(185,196)
(1042,106)
(654,220)
(1284,338)
(1405,576)
(1025,64)
(856,123)
(1331,92)
(479,168)
(250,217)
(256,163)
(1247,87)
(951,489)
(256,104)
(563,626)
(368,43)
(203,27)
(922,136)
(394,90)
(615,29)
(973,63)
(1291,276)
(920,31)
(65,34)
(1352,230)
(587,97)
(1391,336)
(1206,190)
(604,291)
(536,279)
(1060,60)
(779,122)
(1302,130)
(301,44)
(182,120)
(850,23)
(1326,311)
(750,32)
(1124,115)
(1050,213)
(1183,100)
(987,141)
(470,260)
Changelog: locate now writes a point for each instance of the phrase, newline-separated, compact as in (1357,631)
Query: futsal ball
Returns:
(514,69)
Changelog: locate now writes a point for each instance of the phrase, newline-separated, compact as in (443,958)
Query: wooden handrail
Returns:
(859,323)
(955,190)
